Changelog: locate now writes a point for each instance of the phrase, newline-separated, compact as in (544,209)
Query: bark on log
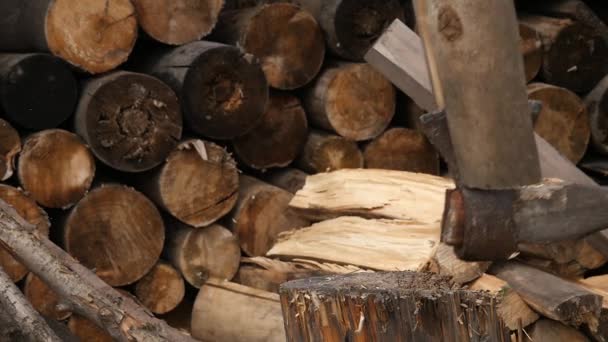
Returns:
(45,300)
(86,330)
(351,99)
(10,146)
(278,138)
(547,330)
(177,22)
(597,107)
(394,306)
(197,184)
(531,47)
(261,213)
(202,253)
(324,152)
(287,40)
(220,304)
(56,168)
(131,121)
(162,289)
(288,179)
(223,91)
(116,231)
(94,35)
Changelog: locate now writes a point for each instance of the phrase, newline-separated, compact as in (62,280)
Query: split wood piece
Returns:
(38,90)
(579,254)
(202,253)
(287,40)
(86,330)
(402,195)
(288,179)
(162,289)
(94,35)
(197,184)
(557,299)
(547,330)
(351,99)
(278,138)
(531,47)
(396,306)
(180,317)
(55,168)
(402,149)
(445,262)
(511,308)
(115,231)
(574,53)
(226,311)
(223,91)
(10,146)
(262,212)
(599,285)
(27,208)
(352,26)
(385,245)
(177,22)
(597,107)
(45,300)
(131,121)
(325,152)
(563,121)
(571,270)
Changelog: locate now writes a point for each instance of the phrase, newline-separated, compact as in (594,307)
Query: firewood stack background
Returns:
(166,144)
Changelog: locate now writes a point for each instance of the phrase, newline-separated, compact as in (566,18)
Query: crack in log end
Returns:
(449,24)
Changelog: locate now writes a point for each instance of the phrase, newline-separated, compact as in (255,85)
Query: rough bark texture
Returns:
(288,179)
(324,152)
(162,289)
(597,107)
(531,47)
(45,300)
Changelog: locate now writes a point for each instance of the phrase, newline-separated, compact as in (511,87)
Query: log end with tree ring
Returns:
(327,152)
(402,149)
(563,121)
(86,330)
(531,47)
(10,146)
(162,289)
(39,91)
(115,231)
(177,22)
(278,138)
(43,299)
(130,121)
(289,43)
(56,168)
(94,35)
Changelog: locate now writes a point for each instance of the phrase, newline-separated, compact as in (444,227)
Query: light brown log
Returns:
(130,121)
(115,231)
(325,152)
(56,168)
(531,47)
(445,262)
(87,330)
(202,253)
(10,146)
(278,138)
(547,330)
(162,289)
(45,300)
(177,22)
(402,149)
(597,107)
(288,179)
(351,99)
(197,184)
(287,40)
(563,121)
(261,213)
(230,312)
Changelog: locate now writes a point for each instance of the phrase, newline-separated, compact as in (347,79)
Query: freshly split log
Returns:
(445,262)
(115,231)
(324,152)
(10,146)
(223,91)
(547,330)
(203,253)
(177,22)
(351,99)
(86,330)
(56,168)
(288,179)
(45,300)
(597,107)
(95,35)
(261,213)
(287,40)
(531,47)
(130,121)
(278,138)
(162,289)
(226,311)
(197,184)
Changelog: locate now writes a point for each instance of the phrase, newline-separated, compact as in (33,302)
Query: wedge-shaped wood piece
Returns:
(599,285)
(445,262)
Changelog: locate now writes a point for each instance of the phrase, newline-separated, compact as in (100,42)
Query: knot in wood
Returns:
(449,23)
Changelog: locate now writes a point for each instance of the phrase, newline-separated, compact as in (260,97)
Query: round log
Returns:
(43,299)
(597,107)
(287,40)
(200,254)
(288,179)
(402,149)
(563,121)
(325,152)
(278,138)
(177,22)
(531,47)
(352,100)
(56,168)
(115,231)
(162,289)
(131,121)
(87,331)
(10,146)
(222,90)
(45,78)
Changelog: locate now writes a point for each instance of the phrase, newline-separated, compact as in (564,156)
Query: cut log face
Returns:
(87,330)
(44,299)
(531,47)
(131,121)
(162,289)
(56,168)
(10,146)
(325,152)
(115,231)
(278,138)
(177,22)
(288,179)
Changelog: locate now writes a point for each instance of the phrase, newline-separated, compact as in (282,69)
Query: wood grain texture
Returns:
(445,262)
(162,289)
(324,152)
(44,300)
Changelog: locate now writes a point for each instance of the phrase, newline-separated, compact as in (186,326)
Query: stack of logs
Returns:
(168,164)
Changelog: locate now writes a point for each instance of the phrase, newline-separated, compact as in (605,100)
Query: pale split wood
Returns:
(445,262)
